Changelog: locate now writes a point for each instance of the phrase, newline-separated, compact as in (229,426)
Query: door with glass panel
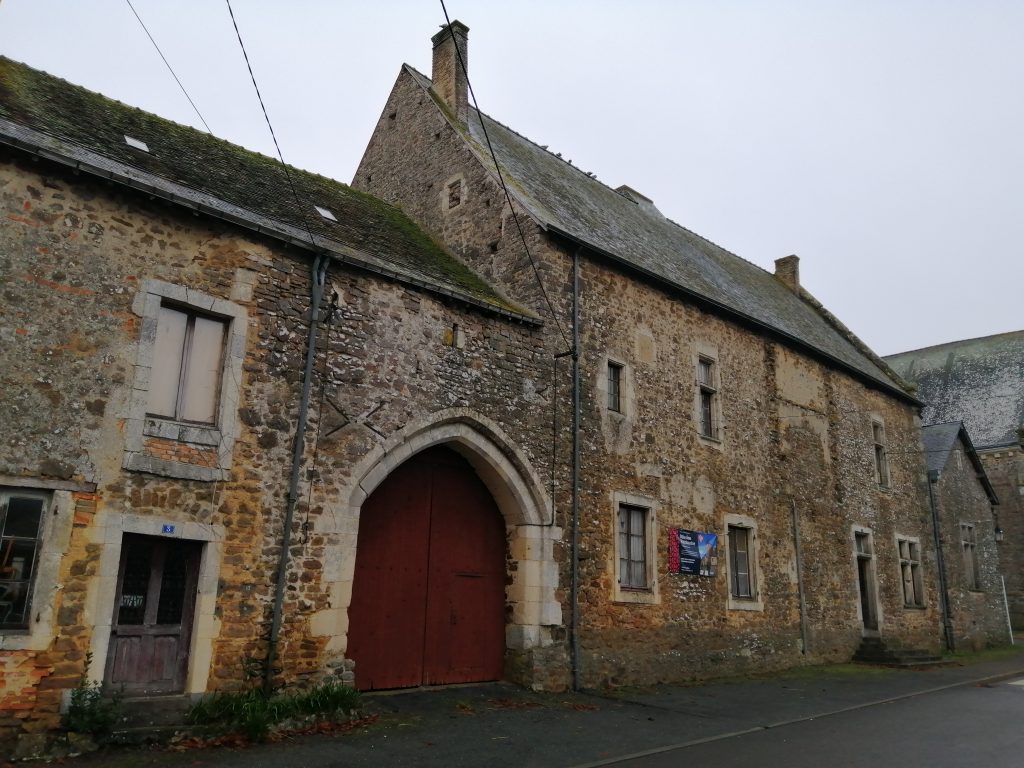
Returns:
(153,612)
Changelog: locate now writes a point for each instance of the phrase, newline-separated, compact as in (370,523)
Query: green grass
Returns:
(253,713)
(989,654)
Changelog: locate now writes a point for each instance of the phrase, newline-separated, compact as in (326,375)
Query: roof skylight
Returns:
(325,213)
(136,143)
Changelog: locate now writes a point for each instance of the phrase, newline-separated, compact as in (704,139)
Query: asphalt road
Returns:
(962,727)
(966,714)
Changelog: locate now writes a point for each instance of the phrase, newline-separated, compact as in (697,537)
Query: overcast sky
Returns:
(882,142)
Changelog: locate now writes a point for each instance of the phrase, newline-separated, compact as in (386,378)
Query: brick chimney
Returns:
(787,269)
(449,74)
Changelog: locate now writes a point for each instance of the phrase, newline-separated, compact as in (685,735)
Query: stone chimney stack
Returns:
(451,82)
(787,269)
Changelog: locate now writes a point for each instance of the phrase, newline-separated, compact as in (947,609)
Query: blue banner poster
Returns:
(697,552)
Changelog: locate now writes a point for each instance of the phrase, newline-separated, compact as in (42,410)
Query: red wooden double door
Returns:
(428,598)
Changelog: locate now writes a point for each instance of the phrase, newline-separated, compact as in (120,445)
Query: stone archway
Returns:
(516,489)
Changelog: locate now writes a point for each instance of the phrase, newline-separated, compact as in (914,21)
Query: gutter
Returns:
(730,312)
(83,160)
(319,279)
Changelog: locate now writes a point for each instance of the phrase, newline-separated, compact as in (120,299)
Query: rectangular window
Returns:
(187,361)
(969,544)
(632,547)
(614,387)
(706,381)
(910,572)
(454,194)
(740,579)
(881,459)
(21,520)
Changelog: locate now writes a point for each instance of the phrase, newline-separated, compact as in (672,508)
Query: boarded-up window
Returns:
(187,361)
(21,519)
(910,572)
(740,579)
(633,547)
(969,544)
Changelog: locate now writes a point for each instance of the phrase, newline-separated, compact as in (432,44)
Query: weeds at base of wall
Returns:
(91,712)
(255,715)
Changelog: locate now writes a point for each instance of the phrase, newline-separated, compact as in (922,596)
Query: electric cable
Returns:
(169,67)
(504,187)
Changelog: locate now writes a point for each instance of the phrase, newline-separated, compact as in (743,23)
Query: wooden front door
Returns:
(428,597)
(152,625)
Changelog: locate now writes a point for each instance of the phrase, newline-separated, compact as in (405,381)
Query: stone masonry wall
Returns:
(73,255)
(978,614)
(1005,470)
(796,433)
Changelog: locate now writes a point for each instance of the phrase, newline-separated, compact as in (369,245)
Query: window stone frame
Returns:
(756,602)
(650,594)
(138,425)
(916,540)
(706,351)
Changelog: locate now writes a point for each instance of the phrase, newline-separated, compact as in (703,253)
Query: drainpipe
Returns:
(575,629)
(947,621)
(319,279)
(799,579)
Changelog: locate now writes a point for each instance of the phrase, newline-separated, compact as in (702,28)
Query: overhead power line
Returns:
(298,204)
(169,67)
(504,187)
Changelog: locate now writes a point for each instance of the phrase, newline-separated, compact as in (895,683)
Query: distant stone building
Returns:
(981,382)
(964,503)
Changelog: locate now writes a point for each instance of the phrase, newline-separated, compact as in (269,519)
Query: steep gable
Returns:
(625,227)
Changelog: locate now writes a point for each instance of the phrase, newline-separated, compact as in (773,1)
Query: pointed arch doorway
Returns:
(428,592)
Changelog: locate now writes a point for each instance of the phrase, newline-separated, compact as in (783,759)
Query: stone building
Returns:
(963,502)
(715,398)
(159,360)
(261,424)
(981,383)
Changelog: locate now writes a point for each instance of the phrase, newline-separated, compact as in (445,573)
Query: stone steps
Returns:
(873,650)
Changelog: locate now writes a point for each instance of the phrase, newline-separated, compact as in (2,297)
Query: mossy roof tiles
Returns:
(246,181)
(564,199)
(977,381)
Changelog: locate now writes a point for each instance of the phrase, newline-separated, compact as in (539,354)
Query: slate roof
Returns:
(46,115)
(565,200)
(940,440)
(977,381)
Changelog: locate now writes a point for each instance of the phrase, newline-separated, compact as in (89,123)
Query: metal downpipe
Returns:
(319,279)
(575,627)
(947,620)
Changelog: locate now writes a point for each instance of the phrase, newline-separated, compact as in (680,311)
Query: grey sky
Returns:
(879,141)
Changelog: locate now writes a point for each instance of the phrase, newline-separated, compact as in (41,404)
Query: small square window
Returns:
(614,387)
(21,523)
(187,362)
(454,194)
(136,143)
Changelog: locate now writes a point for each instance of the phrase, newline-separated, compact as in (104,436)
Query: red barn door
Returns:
(428,598)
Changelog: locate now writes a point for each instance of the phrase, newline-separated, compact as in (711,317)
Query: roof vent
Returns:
(135,143)
(646,204)
(325,213)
